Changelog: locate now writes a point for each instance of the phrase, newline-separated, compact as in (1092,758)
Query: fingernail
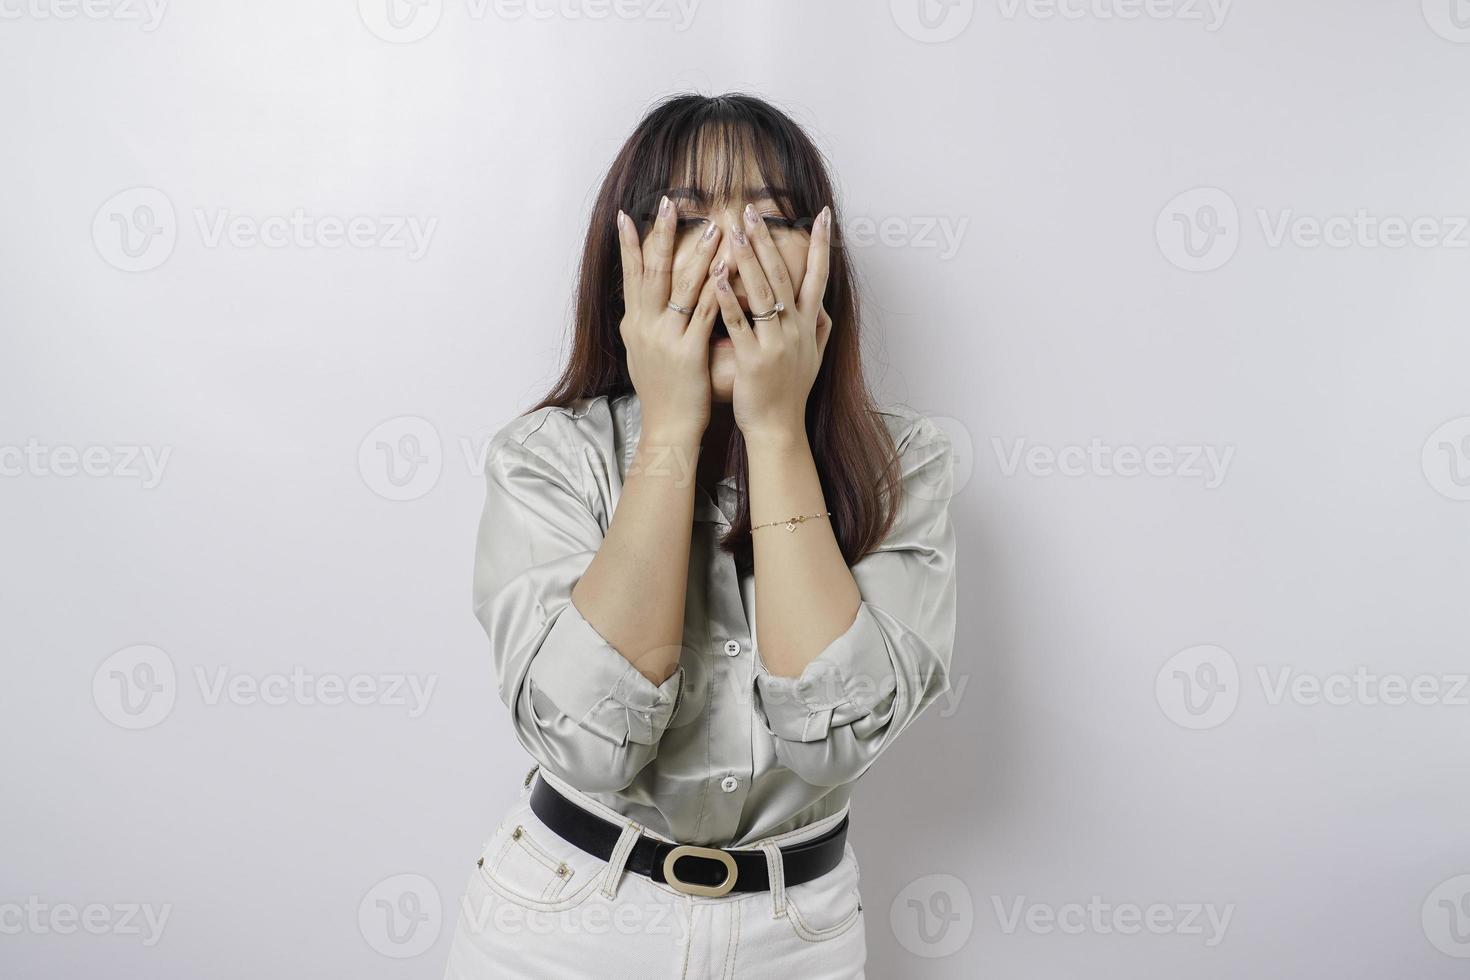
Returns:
(739,234)
(709,231)
(719,269)
(663,205)
(750,214)
(827,217)
(621,217)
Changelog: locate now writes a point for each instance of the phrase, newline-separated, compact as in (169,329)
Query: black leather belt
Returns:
(701,870)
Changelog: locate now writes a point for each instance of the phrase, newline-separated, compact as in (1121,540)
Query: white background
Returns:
(1080,761)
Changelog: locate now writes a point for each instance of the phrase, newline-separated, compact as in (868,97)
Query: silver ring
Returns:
(686,310)
(768,315)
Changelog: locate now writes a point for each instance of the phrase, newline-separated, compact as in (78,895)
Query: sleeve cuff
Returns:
(845,682)
(597,687)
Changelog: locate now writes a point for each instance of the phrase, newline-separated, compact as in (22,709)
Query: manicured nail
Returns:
(709,231)
(738,232)
(622,218)
(719,269)
(663,205)
(750,215)
(826,217)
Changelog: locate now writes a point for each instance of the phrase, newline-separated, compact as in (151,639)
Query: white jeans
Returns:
(540,908)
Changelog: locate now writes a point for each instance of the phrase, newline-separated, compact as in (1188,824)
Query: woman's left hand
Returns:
(776,360)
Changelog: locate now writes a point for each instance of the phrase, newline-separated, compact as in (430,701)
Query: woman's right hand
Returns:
(668,351)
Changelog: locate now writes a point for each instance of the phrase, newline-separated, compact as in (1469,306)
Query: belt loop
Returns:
(618,858)
(775,871)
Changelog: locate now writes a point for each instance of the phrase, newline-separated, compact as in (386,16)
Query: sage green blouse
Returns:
(722,753)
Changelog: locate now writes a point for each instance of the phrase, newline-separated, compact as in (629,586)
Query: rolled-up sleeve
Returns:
(855,697)
(578,706)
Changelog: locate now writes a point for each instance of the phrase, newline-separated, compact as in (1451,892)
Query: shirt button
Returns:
(732,648)
(729,783)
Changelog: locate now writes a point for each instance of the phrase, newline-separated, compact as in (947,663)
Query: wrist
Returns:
(774,439)
(678,437)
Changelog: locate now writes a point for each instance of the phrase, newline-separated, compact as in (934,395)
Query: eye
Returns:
(686,223)
(779,221)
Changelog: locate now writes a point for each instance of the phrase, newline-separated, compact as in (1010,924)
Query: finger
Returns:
(658,257)
(818,262)
(757,288)
(632,257)
(702,322)
(689,279)
(824,331)
(741,334)
(774,266)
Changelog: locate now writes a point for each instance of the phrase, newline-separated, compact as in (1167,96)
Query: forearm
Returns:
(805,594)
(633,591)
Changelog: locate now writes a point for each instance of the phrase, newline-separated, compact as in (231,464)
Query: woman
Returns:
(717,581)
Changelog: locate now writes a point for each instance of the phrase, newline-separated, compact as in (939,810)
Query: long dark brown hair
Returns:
(696,141)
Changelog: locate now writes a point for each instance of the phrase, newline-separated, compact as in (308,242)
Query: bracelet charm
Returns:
(791,522)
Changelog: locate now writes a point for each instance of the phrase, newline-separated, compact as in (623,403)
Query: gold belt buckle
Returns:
(692,888)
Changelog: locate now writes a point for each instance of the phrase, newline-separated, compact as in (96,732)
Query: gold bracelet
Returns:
(791,522)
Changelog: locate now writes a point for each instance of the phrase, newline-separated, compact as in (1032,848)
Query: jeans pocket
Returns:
(827,906)
(527,864)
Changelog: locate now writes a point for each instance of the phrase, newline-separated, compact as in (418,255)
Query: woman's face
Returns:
(791,242)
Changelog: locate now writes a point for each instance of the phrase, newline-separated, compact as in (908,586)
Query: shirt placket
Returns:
(732,662)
